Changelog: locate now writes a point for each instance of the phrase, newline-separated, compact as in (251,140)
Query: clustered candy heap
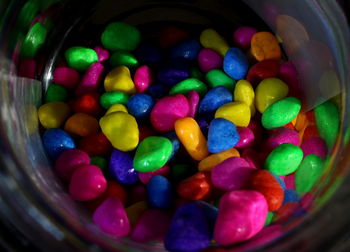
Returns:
(188,142)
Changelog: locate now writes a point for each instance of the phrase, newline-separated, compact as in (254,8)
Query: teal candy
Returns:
(152,153)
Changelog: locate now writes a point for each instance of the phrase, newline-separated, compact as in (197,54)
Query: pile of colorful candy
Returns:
(189,142)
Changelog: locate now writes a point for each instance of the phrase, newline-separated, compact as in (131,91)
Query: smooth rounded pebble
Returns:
(140,106)
(243,35)
(159,192)
(53,114)
(214,99)
(56,141)
(235,64)
(121,167)
(119,79)
(143,78)
(209,59)
(80,58)
(236,112)
(244,92)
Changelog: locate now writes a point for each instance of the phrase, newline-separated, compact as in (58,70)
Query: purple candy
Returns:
(243,36)
(208,59)
(121,167)
(314,145)
(193,102)
(143,78)
(246,137)
(91,79)
(283,135)
(65,76)
(145,177)
(102,53)
(111,217)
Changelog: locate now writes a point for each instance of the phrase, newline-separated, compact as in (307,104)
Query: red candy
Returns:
(263,70)
(170,36)
(88,104)
(196,187)
(96,145)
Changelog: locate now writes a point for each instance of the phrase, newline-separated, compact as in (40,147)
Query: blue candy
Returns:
(158,90)
(280,181)
(121,167)
(140,106)
(188,49)
(173,73)
(159,192)
(214,99)
(56,141)
(222,135)
(236,64)
(174,141)
(204,126)
(189,230)
(148,54)
(290,195)
(211,213)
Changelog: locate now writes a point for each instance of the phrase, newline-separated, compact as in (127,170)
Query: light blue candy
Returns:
(214,99)
(140,106)
(188,49)
(236,64)
(222,135)
(57,141)
(290,195)
(159,192)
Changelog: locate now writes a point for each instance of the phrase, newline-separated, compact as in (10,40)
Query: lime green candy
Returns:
(281,112)
(120,36)
(217,77)
(284,159)
(308,173)
(100,162)
(123,58)
(327,121)
(33,41)
(152,153)
(56,93)
(80,58)
(110,98)
(269,218)
(187,85)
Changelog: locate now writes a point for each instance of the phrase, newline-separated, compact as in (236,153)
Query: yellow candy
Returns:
(236,112)
(211,39)
(53,114)
(269,91)
(116,108)
(244,92)
(134,211)
(119,79)
(191,136)
(209,162)
(121,130)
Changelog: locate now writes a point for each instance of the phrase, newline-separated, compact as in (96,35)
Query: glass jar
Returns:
(36,210)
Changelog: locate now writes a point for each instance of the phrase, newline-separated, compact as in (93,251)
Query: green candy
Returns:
(187,85)
(28,13)
(196,73)
(269,218)
(217,77)
(56,93)
(281,112)
(120,36)
(33,41)
(123,58)
(80,58)
(100,162)
(111,98)
(284,159)
(308,173)
(152,153)
(327,121)
(346,136)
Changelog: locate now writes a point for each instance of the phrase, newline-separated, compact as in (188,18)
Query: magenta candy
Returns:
(231,174)
(68,161)
(242,215)
(289,181)
(90,80)
(314,145)
(246,137)
(257,131)
(143,78)
(167,110)
(209,59)
(145,177)
(102,53)
(65,76)
(152,225)
(288,73)
(252,157)
(111,217)
(243,36)
(193,102)
(283,135)
(27,68)
(87,183)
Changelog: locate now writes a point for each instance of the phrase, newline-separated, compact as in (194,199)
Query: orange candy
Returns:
(310,131)
(191,136)
(301,122)
(265,46)
(196,187)
(82,125)
(209,162)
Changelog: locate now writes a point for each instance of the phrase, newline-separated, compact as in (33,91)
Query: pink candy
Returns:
(65,76)
(193,101)
(209,59)
(143,78)
(111,218)
(167,110)
(231,174)
(314,145)
(90,80)
(242,215)
(68,161)
(102,53)
(87,183)
(246,137)
(243,36)
(152,225)
(145,177)
(283,135)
